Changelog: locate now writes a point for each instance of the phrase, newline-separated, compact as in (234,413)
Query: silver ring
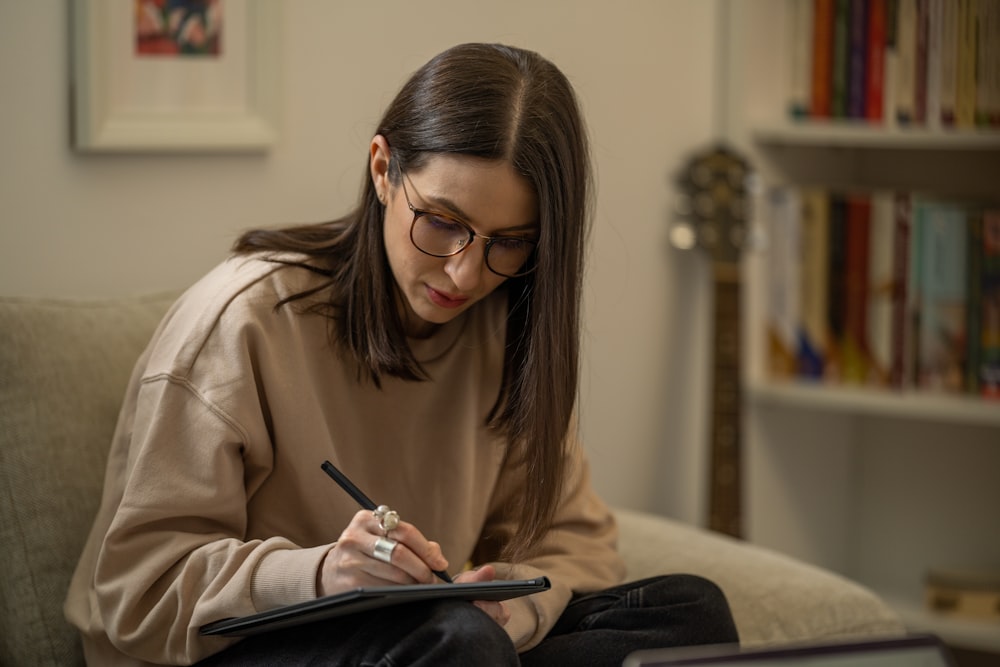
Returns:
(383,549)
(387,518)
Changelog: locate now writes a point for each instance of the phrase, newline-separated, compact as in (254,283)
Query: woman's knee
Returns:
(462,629)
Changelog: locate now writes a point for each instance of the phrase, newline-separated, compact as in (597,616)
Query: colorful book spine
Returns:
(841,64)
(855,348)
(800,22)
(932,97)
(822,60)
(857,56)
(965,103)
(906,64)
(941,291)
(875,61)
(881,286)
(984,47)
(813,348)
(989,306)
(784,282)
(974,292)
(903,314)
(836,286)
(920,63)
(948,61)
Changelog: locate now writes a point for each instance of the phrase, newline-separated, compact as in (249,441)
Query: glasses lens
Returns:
(438,236)
(507,255)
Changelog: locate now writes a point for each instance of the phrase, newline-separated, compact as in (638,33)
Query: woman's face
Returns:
(488,196)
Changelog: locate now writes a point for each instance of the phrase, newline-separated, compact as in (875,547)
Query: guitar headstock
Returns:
(714,206)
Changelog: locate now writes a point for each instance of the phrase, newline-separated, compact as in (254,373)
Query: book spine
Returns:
(857,58)
(784,282)
(902,316)
(965,105)
(920,64)
(941,273)
(881,287)
(890,66)
(932,111)
(989,337)
(985,42)
(841,58)
(985,61)
(855,348)
(822,60)
(813,349)
(800,19)
(974,290)
(836,286)
(875,61)
(906,65)
(948,51)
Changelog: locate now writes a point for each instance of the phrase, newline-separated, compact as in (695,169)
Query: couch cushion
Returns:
(63,370)
(775,599)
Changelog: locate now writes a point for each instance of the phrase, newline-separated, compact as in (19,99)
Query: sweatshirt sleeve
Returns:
(174,556)
(578,554)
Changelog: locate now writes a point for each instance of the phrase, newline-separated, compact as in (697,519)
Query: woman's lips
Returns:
(445,300)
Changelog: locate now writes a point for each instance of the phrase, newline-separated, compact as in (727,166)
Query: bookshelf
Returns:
(878,485)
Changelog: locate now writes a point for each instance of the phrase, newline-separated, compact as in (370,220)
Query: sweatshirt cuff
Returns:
(286,576)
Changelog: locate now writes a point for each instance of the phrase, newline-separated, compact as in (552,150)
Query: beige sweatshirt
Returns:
(215,504)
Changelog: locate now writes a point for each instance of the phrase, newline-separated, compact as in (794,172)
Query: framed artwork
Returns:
(175,75)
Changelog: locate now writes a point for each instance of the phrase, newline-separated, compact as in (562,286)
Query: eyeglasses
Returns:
(440,236)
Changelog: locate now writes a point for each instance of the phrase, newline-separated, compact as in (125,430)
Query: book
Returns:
(947,63)
(881,286)
(875,61)
(783,281)
(940,282)
(920,64)
(932,96)
(855,349)
(965,101)
(857,58)
(800,22)
(814,345)
(906,61)
(903,311)
(841,63)
(836,286)
(989,305)
(822,59)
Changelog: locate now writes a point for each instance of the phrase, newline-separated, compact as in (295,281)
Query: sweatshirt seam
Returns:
(189,386)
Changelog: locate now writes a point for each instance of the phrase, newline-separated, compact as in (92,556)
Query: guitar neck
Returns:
(725,493)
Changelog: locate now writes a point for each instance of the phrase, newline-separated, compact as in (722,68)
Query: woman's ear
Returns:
(379,156)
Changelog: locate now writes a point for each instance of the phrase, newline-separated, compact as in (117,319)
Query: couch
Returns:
(63,369)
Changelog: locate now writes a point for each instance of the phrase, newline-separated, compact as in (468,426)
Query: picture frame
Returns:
(126,101)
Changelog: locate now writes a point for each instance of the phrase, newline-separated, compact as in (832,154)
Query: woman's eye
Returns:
(442,223)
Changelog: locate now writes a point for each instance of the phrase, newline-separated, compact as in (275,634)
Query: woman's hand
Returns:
(496,610)
(351,562)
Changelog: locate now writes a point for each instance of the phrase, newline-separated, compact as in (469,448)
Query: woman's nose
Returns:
(466,268)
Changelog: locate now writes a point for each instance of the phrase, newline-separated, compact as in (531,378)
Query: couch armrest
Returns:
(774,598)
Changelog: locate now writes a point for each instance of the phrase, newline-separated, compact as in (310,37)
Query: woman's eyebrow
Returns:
(456,211)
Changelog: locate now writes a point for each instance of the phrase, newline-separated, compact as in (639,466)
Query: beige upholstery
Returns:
(63,368)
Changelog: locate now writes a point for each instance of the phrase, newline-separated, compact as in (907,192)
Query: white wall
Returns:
(79,225)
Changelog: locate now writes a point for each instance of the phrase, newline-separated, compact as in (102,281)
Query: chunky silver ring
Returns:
(387,518)
(383,549)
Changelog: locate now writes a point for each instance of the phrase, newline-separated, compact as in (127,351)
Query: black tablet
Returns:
(364,599)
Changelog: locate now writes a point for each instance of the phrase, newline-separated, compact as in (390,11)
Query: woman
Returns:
(426,344)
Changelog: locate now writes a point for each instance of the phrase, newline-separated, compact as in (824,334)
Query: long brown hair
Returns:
(500,103)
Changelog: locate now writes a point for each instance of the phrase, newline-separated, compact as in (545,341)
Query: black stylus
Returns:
(365,502)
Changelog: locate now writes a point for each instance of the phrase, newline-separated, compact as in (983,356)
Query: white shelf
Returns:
(980,635)
(848,134)
(859,401)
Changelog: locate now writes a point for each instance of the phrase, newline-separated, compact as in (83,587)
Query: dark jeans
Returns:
(596,629)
